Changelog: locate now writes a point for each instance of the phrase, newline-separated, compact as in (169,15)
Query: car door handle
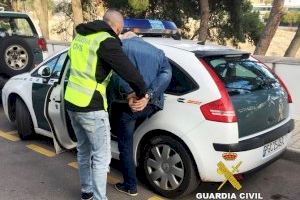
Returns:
(57,101)
(181,100)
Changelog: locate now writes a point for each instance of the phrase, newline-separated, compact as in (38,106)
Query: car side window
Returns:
(51,64)
(4,27)
(21,26)
(55,65)
(68,68)
(59,65)
(181,83)
(15,26)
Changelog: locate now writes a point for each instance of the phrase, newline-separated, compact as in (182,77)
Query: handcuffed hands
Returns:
(136,104)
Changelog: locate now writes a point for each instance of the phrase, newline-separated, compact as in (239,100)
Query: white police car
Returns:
(221,105)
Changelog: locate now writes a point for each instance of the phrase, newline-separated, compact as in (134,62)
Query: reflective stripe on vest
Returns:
(82,81)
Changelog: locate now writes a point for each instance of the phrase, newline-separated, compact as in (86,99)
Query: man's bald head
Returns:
(115,19)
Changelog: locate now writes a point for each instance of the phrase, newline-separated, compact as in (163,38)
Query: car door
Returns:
(41,86)
(56,113)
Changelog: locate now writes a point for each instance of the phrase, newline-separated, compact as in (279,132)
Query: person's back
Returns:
(144,56)
(152,64)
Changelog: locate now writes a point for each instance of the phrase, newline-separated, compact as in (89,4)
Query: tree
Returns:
(294,45)
(92,9)
(233,21)
(203,31)
(139,6)
(41,9)
(271,27)
(227,19)
(15,5)
(6,4)
(77,12)
(291,18)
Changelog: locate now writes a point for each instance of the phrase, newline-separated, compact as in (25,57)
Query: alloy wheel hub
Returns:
(16,57)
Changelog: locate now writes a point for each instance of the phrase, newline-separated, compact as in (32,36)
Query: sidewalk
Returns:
(295,141)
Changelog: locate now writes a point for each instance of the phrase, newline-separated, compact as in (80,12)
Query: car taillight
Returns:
(222,109)
(279,79)
(42,44)
(285,88)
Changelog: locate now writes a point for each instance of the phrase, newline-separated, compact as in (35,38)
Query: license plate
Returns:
(273,146)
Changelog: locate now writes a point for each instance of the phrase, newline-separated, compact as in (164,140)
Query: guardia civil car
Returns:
(222,106)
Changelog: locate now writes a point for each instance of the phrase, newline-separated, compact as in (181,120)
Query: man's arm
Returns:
(112,53)
(162,81)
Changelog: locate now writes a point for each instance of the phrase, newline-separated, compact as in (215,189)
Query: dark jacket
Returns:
(110,57)
(153,65)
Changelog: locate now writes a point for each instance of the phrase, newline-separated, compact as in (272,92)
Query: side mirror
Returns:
(44,71)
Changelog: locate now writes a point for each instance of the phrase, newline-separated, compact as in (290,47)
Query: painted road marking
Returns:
(11,136)
(73,164)
(41,150)
(110,178)
(113,180)
(156,198)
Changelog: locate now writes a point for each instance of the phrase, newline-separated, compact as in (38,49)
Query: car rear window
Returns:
(181,83)
(16,26)
(242,75)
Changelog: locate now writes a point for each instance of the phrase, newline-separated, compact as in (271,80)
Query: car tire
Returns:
(3,80)
(16,56)
(157,170)
(24,121)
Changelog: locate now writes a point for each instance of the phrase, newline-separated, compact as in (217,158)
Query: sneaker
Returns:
(121,188)
(87,196)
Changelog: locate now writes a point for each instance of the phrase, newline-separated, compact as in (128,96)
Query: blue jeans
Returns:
(124,122)
(92,131)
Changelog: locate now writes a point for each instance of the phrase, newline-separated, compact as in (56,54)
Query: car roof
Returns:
(200,50)
(208,49)
(12,14)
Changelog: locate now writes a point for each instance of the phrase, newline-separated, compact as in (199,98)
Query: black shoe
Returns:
(87,196)
(121,188)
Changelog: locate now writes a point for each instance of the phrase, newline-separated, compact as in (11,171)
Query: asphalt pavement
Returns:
(30,170)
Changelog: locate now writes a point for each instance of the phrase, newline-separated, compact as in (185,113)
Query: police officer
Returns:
(94,53)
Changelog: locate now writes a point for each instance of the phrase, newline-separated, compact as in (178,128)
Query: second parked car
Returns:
(21,48)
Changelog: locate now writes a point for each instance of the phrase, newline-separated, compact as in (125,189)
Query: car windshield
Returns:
(15,26)
(243,75)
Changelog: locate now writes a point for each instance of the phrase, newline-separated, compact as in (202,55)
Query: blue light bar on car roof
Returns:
(148,26)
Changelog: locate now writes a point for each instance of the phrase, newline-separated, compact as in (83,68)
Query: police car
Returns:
(222,105)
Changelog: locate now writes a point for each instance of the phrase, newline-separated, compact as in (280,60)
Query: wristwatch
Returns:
(149,95)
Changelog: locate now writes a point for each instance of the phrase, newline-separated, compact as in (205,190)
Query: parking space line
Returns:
(11,136)
(41,150)
(73,164)
(156,198)
(110,178)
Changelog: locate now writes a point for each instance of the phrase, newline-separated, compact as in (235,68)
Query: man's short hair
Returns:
(113,16)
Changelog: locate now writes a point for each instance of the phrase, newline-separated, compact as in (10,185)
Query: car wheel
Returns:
(24,121)
(3,80)
(168,167)
(16,56)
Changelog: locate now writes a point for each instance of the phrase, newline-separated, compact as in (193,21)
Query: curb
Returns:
(291,155)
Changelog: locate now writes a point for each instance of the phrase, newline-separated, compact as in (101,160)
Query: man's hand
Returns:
(136,104)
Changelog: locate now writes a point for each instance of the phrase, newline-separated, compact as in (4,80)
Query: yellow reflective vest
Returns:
(82,81)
